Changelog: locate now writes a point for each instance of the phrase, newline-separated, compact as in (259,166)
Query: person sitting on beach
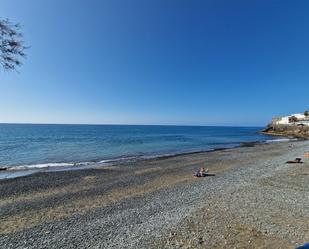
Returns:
(201,173)
(291,146)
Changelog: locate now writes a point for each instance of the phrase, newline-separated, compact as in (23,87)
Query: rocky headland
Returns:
(287,130)
(295,125)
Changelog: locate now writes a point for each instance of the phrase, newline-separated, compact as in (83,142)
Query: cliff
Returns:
(287,130)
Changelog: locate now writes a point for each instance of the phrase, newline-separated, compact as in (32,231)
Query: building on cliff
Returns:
(294,119)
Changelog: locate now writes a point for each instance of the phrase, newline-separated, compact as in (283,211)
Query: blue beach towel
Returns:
(197,174)
(304,246)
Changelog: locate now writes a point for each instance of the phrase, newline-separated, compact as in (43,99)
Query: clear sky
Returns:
(194,62)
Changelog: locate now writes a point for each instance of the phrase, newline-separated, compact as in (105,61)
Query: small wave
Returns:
(129,158)
(71,164)
(281,140)
(40,166)
(53,165)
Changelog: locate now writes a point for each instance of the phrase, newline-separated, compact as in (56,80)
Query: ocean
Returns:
(36,146)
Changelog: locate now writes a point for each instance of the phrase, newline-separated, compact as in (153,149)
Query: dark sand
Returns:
(255,200)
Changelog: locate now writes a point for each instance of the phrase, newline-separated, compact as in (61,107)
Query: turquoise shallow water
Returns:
(37,146)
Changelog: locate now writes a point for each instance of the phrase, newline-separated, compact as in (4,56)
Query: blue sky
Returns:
(158,62)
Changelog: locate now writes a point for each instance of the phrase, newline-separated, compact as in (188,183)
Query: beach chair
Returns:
(297,160)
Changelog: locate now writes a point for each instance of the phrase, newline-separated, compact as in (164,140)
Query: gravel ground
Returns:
(255,200)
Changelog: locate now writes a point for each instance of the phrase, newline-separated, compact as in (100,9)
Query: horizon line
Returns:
(119,124)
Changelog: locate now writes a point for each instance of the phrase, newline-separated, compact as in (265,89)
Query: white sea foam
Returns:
(71,164)
(281,140)
(55,165)
(120,159)
(40,166)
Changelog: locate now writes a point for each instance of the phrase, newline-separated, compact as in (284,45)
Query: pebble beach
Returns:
(254,200)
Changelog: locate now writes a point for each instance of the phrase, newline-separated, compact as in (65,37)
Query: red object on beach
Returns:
(306,155)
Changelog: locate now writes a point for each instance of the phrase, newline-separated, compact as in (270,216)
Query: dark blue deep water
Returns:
(28,145)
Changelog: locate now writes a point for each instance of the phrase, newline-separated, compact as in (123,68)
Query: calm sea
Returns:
(24,146)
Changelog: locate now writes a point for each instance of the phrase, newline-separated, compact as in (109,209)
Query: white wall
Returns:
(299,115)
(285,120)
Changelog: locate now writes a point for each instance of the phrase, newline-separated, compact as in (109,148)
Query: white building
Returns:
(286,120)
